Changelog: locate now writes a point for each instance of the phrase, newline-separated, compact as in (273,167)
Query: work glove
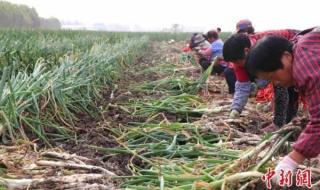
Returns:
(259,107)
(254,89)
(263,107)
(267,107)
(234,114)
(286,165)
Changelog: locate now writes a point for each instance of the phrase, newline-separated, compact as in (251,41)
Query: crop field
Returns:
(102,110)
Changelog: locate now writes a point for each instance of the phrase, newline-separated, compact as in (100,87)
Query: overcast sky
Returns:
(202,14)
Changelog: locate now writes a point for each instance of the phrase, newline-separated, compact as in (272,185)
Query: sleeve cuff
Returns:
(308,144)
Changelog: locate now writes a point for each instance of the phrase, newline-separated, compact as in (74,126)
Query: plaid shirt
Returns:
(306,75)
(287,33)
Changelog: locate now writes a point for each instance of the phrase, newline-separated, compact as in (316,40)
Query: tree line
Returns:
(22,16)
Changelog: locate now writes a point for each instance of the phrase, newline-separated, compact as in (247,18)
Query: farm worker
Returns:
(215,50)
(218,30)
(235,50)
(198,43)
(208,47)
(293,63)
(221,66)
(244,26)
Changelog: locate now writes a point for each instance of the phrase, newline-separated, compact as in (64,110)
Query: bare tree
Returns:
(176,28)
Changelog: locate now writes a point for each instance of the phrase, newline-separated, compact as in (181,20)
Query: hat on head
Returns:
(243,24)
(199,38)
(199,41)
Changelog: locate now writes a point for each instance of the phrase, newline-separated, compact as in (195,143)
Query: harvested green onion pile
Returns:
(185,156)
(181,104)
(176,84)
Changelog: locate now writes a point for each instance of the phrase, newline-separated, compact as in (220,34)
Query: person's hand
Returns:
(264,107)
(267,107)
(259,107)
(287,164)
(217,60)
(270,128)
(234,114)
(254,89)
(196,49)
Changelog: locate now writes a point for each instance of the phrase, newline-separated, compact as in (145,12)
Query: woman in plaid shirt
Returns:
(295,63)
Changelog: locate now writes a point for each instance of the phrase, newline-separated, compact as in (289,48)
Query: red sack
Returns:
(186,49)
(265,94)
